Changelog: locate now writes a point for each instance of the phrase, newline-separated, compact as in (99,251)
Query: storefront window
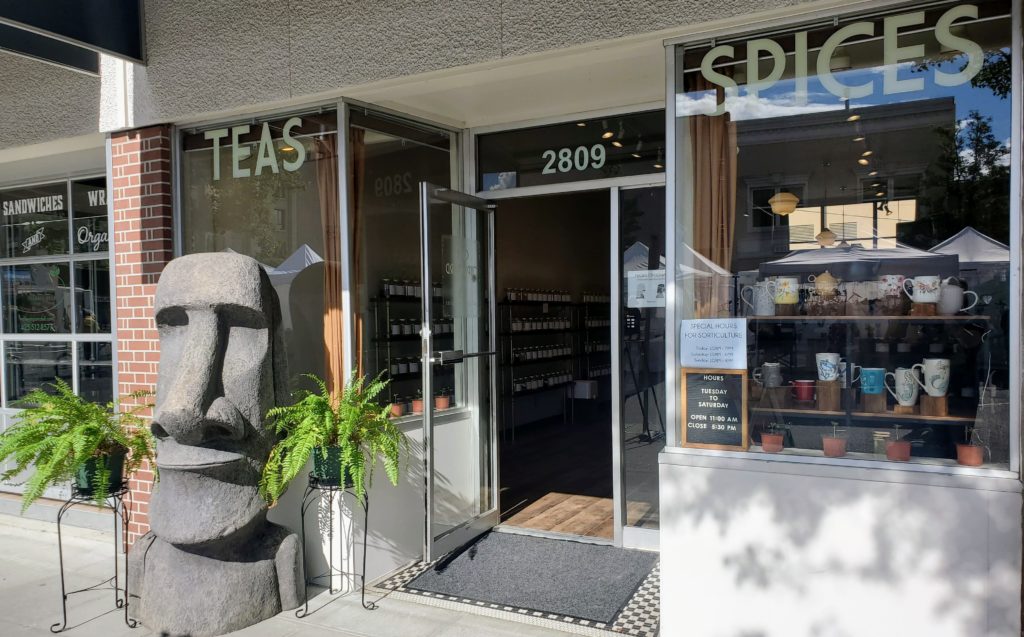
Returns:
(598,148)
(269,190)
(843,243)
(389,159)
(55,295)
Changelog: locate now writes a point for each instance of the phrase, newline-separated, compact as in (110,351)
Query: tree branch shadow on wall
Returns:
(901,538)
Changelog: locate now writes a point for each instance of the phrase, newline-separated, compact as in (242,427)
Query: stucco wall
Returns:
(752,548)
(40,102)
(206,56)
(210,57)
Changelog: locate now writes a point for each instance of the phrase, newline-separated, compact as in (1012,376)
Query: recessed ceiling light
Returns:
(658,166)
(873,173)
(617,144)
(879,194)
(607,134)
(637,155)
(863,162)
(876,184)
(853,118)
(858,139)
(581,124)
(867,153)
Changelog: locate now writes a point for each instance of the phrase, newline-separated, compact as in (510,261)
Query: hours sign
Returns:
(714,408)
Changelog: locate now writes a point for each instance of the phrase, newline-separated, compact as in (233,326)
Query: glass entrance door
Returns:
(456,251)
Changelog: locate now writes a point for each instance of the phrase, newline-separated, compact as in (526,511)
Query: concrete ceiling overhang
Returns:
(603,77)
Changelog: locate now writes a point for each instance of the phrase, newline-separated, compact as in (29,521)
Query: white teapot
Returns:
(951,297)
(824,284)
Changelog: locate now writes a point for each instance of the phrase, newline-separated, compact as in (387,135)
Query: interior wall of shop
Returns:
(856,552)
(554,242)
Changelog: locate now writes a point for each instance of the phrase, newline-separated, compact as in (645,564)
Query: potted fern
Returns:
(345,434)
(66,437)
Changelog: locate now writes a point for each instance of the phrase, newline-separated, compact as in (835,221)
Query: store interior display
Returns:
(551,273)
(890,363)
(863,236)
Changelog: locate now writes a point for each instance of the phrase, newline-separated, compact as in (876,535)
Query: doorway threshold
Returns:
(552,535)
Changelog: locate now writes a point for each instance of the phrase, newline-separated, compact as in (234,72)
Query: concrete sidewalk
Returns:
(30,597)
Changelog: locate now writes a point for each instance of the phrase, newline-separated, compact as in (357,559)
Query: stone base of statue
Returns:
(203,592)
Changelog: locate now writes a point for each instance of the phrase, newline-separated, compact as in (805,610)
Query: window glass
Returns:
(92,297)
(95,372)
(600,148)
(844,192)
(35,298)
(269,190)
(34,220)
(34,365)
(642,343)
(89,211)
(389,160)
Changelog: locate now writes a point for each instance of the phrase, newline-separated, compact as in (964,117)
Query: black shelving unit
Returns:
(537,351)
(857,339)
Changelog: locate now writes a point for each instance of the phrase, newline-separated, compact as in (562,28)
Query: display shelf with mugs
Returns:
(893,354)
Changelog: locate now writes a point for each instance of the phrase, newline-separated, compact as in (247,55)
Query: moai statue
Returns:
(212,563)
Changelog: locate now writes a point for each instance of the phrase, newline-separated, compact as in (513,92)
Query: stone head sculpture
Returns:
(211,559)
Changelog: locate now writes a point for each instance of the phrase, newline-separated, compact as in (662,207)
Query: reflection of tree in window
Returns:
(970,181)
(248,208)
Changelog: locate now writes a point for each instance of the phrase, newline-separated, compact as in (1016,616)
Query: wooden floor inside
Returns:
(557,476)
(576,514)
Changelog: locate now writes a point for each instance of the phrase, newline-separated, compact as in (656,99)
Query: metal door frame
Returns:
(467,531)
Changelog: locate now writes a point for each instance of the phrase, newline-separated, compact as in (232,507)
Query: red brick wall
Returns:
(143,244)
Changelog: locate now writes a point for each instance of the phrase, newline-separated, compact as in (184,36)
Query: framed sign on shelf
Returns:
(714,408)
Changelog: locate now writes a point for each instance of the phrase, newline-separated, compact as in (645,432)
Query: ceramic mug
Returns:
(762,298)
(951,298)
(828,366)
(904,385)
(768,374)
(936,376)
(925,289)
(787,290)
(803,390)
(872,380)
(848,374)
(889,285)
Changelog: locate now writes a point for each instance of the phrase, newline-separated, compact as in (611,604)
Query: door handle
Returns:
(447,357)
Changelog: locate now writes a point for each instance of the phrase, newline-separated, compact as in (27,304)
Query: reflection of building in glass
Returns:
(821,172)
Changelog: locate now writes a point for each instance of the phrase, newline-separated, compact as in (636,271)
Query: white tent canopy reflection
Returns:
(974,249)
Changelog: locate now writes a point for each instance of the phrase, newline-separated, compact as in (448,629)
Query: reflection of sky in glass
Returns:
(779,100)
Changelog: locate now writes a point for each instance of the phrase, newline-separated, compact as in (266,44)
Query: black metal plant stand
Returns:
(122,513)
(315,487)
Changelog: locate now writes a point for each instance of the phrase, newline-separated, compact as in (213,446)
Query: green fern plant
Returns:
(353,422)
(59,432)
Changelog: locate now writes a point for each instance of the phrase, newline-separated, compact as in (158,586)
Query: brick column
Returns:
(143,244)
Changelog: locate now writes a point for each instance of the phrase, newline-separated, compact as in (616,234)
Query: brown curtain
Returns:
(334,325)
(713,141)
(357,143)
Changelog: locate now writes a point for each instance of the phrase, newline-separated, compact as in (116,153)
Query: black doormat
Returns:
(588,581)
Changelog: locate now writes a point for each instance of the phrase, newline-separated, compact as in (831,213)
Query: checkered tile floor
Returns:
(639,617)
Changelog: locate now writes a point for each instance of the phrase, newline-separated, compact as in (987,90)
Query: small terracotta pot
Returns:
(417,405)
(970,455)
(897,450)
(833,447)
(397,410)
(442,402)
(771,443)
